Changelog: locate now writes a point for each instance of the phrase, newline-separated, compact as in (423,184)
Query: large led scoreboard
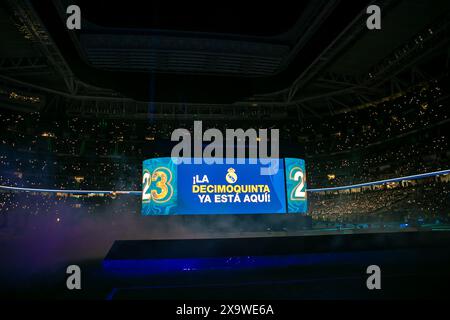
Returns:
(171,187)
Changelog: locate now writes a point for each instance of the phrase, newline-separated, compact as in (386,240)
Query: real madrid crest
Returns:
(231,176)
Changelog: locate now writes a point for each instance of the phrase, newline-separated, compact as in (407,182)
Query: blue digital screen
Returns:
(190,188)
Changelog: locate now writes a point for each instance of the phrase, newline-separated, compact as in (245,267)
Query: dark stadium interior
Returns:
(81,110)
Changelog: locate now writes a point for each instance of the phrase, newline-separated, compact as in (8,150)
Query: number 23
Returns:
(163,191)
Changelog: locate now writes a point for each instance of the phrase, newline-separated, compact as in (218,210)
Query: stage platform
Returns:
(413,264)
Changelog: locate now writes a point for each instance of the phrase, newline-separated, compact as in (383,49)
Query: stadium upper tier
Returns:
(397,136)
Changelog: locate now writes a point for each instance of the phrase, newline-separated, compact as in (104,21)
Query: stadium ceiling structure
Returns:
(307,58)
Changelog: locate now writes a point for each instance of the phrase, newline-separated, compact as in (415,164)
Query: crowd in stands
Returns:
(425,202)
(397,136)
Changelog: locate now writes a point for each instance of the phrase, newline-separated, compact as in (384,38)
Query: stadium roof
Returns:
(315,56)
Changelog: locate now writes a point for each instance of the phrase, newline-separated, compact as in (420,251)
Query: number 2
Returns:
(146,181)
(298,192)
